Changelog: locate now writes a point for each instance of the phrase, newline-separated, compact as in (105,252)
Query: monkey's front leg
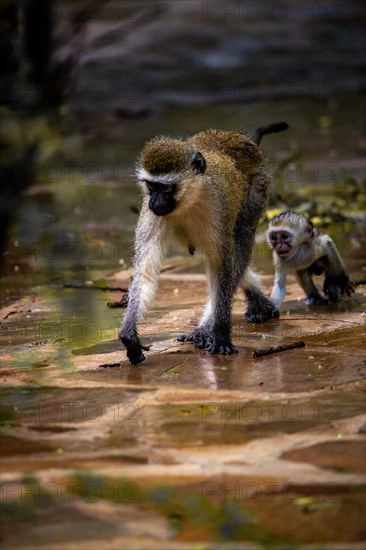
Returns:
(199,335)
(150,247)
(214,330)
(278,292)
(128,333)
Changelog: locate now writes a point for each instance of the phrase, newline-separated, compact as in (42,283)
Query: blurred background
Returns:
(84,84)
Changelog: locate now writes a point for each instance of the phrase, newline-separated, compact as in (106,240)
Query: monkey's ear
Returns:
(309,230)
(198,163)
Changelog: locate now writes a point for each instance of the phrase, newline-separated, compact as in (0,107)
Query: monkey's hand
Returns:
(134,349)
(335,283)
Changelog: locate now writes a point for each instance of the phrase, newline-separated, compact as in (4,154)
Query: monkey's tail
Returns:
(272,128)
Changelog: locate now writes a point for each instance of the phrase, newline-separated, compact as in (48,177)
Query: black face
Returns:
(162,201)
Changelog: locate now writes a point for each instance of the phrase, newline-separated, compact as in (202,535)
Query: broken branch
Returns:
(95,287)
(277,349)
(122,303)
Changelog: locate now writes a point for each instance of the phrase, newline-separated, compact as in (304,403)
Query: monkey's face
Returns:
(162,201)
(287,232)
(281,241)
(165,170)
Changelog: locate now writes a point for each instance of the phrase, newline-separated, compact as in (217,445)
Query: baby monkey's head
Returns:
(287,231)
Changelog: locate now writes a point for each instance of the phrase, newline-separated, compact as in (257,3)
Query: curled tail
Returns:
(272,128)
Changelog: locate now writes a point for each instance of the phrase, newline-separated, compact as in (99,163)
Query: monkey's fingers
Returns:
(331,288)
(259,313)
(350,287)
(198,337)
(135,353)
(185,337)
(315,300)
(221,348)
(136,356)
(134,349)
(346,286)
(199,342)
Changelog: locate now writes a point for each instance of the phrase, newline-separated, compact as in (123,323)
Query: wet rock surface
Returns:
(186,449)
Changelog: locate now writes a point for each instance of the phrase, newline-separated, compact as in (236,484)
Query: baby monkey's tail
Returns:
(272,128)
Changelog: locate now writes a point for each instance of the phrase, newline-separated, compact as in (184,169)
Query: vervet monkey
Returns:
(207,191)
(299,247)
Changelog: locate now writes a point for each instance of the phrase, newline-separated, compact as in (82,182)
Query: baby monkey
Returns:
(299,247)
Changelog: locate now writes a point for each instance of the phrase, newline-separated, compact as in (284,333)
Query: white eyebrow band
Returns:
(143,175)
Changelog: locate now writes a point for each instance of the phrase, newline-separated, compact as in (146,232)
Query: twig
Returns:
(173,367)
(122,303)
(95,287)
(360,282)
(109,365)
(321,319)
(277,349)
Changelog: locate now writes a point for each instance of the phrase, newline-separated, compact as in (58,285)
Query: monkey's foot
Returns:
(333,284)
(220,346)
(186,337)
(197,336)
(134,349)
(259,312)
(203,338)
(316,300)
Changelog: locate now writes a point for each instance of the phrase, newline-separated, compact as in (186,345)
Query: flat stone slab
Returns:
(185,449)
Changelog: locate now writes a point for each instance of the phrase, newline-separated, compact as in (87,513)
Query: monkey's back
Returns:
(246,155)
(232,158)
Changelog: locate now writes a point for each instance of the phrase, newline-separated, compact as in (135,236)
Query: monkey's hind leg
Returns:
(214,331)
(259,308)
(216,323)
(214,337)
(199,335)
(313,298)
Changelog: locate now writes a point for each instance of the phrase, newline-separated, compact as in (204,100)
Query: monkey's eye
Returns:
(285,236)
(167,188)
(150,186)
(274,237)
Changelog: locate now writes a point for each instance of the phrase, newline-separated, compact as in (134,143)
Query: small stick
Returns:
(122,303)
(95,287)
(109,365)
(277,349)
(176,365)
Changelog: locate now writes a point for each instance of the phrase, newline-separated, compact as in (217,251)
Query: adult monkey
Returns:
(206,191)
